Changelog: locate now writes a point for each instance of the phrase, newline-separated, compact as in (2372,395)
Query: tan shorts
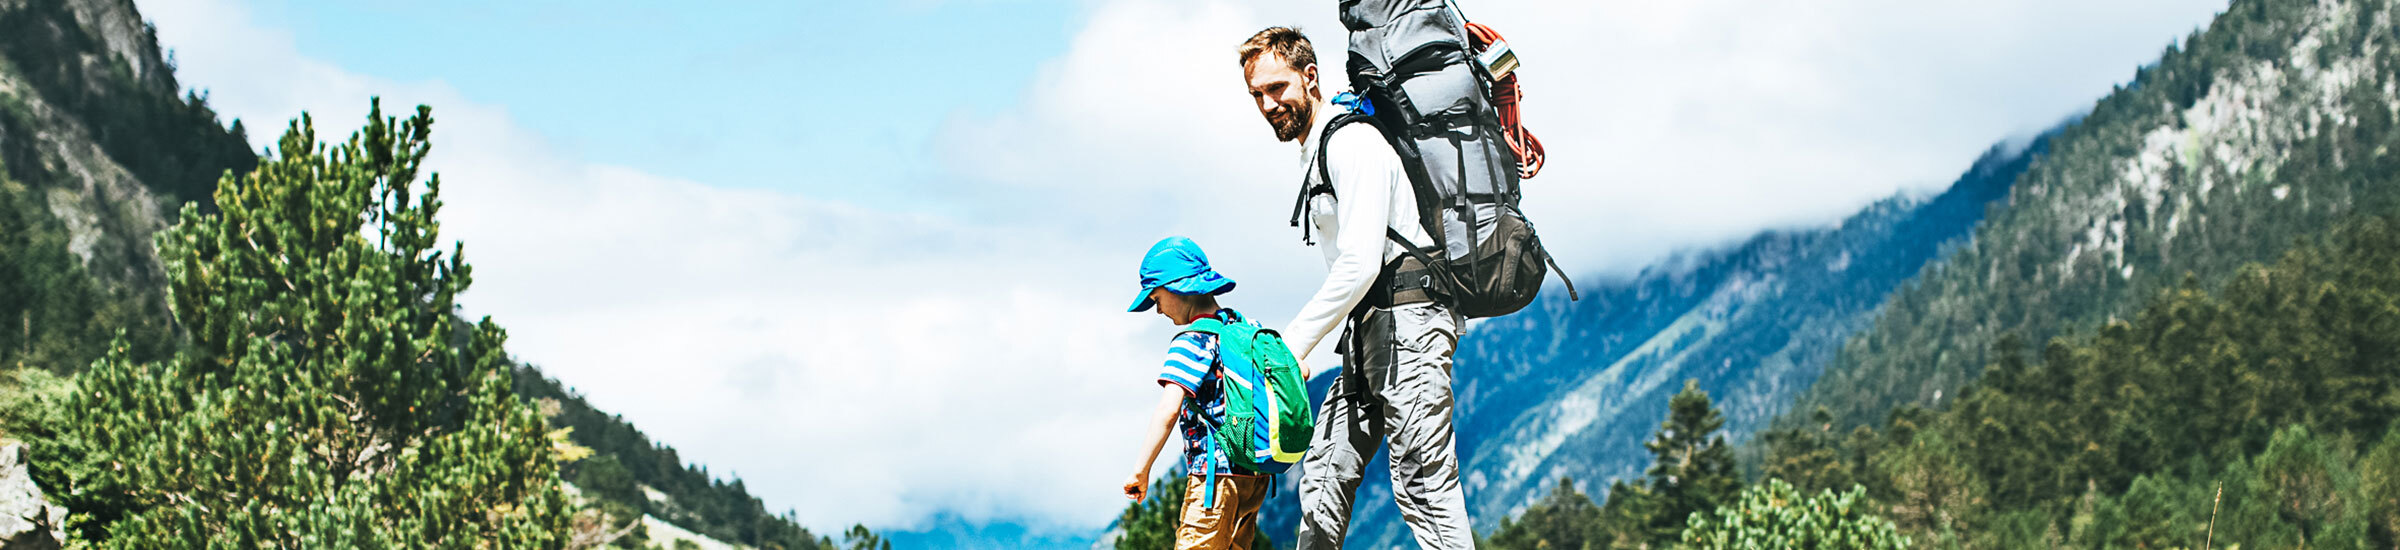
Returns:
(1229,526)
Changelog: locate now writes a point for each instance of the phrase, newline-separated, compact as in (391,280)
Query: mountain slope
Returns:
(1570,388)
(96,152)
(653,479)
(99,147)
(2227,151)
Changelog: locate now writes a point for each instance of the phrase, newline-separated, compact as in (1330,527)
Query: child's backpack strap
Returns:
(1207,325)
(1209,449)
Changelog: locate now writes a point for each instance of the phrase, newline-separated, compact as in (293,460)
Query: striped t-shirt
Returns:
(1191,365)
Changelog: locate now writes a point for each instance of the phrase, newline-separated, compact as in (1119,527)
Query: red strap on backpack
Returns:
(1505,93)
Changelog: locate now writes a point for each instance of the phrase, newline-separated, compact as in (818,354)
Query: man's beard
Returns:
(1293,123)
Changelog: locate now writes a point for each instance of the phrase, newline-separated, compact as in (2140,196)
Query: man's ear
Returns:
(1309,73)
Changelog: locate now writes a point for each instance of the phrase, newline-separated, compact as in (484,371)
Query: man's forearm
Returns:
(1345,286)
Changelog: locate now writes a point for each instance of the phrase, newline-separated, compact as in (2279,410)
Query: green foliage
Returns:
(2274,388)
(128,106)
(2379,490)
(1565,519)
(57,316)
(1775,515)
(1692,469)
(75,112)
(328,398)
(1810,457)
(2233,197)
(860,538)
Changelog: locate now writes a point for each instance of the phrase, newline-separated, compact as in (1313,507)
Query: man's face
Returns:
(1285,97)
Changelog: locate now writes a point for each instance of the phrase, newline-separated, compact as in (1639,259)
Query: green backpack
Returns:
(1268,419)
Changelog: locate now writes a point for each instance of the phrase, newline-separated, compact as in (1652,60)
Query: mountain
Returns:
(97,151)
(2262,131)
(650,479)
(100,147)
(1570,388)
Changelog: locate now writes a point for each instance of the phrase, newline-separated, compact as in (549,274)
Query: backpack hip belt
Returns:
(1403,281)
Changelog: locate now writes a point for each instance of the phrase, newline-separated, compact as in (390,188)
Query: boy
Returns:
(1176,278)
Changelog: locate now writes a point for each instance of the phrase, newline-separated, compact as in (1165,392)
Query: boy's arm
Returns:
(1162,421)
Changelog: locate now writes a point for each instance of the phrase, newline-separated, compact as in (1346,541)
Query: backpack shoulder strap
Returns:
(1420,182)
(1324,182)
(1207,325)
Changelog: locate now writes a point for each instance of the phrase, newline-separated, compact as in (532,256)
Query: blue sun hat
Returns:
(1177,264)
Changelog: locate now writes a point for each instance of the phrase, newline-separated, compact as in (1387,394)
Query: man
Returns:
(1398,345)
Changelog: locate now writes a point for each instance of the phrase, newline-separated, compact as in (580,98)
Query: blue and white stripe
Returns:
(1188,360)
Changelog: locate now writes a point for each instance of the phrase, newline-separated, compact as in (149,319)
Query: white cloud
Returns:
(864,366)
(1669,124)
(854,364)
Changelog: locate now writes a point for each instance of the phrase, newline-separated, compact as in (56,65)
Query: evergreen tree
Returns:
(2311,488)
(328,398)
(1692,468)
(1627,519)
(1775,515)
(1564,520)
(1808,457)
(2379,485)
(860,538)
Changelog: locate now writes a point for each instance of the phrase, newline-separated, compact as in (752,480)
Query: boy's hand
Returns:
(1137,485)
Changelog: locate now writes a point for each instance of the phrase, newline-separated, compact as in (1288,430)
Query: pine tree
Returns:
(1806,456)
(1692,469)
(1565,519)
(328,397)
(1775,515)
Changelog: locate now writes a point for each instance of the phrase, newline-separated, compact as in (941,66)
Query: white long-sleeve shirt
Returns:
(1370,192)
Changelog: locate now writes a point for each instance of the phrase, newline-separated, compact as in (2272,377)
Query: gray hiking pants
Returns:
(1395,384)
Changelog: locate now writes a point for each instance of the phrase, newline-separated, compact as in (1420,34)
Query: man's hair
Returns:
(1285,42)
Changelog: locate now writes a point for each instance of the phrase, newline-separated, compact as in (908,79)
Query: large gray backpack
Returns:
(1417,79)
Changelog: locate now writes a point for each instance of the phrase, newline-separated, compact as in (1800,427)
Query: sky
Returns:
(872,257)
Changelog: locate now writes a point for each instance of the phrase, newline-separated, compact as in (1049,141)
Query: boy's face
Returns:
(1173,306)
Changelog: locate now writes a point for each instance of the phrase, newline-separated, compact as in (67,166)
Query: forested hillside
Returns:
(2263,405)
(626,462)
(2266,128)
(2255,414)
(99,148)
(2179,333)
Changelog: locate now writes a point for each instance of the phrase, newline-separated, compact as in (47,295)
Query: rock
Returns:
(27,519)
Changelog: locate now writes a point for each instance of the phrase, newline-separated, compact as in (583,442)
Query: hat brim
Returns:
(1142,302)
(1206,282)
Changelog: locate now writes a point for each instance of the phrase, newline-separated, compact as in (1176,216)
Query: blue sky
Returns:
(872,257)
(726,94)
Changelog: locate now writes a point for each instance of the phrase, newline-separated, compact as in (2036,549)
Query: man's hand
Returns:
(1306,374)
(1137,486)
